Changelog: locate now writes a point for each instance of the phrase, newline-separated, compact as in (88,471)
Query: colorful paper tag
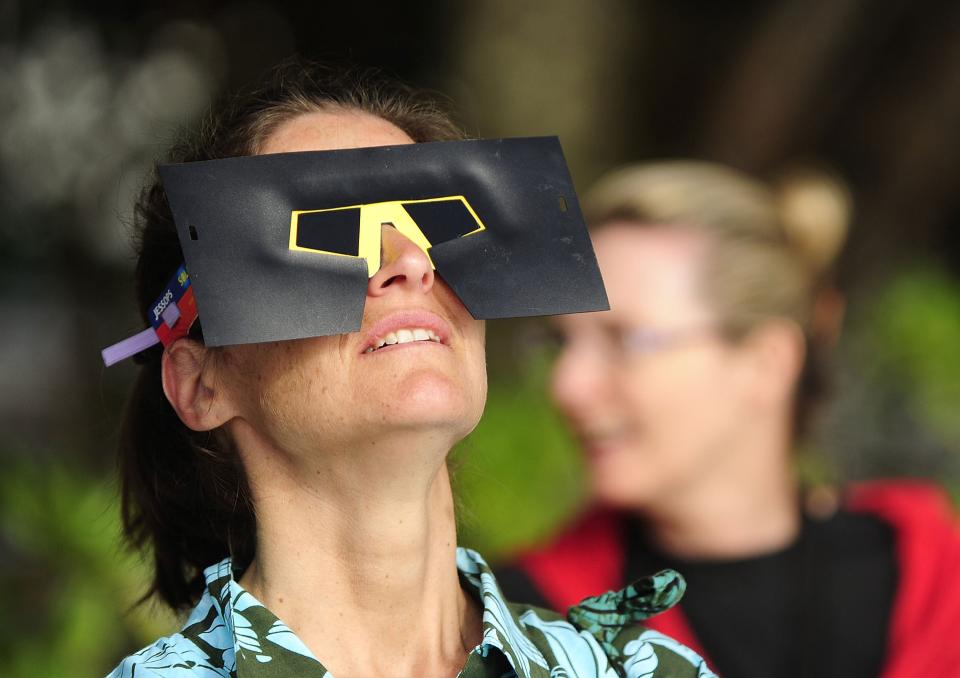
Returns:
(172,315)
(175,310)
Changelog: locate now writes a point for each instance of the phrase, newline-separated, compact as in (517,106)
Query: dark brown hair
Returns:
(184,494)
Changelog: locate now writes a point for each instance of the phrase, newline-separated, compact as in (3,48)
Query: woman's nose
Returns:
(402,264)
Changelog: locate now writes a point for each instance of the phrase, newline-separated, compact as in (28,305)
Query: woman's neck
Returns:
(356,552)
(742,509)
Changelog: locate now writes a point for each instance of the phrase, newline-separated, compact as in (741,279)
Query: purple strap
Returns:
(129,346)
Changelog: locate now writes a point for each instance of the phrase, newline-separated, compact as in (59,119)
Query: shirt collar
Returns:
(263,643)
(503,630)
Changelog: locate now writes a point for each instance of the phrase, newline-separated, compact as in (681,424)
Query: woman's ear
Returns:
(777,349)
(191,385)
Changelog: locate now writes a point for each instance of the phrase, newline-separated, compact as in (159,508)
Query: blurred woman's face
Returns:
(649,387)
(417,364)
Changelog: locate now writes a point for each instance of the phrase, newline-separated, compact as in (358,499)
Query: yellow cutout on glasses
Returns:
(361,233)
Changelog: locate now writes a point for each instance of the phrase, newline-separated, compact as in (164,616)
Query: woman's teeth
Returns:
(405,336)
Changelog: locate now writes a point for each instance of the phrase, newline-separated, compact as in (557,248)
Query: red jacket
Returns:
(924,632)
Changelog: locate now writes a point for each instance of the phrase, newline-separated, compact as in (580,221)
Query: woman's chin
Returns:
(429,400)
(611,494)
(619,485)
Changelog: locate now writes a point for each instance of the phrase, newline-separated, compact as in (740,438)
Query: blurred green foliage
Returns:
(915,337)
(518,475)
(69,587)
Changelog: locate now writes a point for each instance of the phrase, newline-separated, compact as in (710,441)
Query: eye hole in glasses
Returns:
(442,220)
(334,231)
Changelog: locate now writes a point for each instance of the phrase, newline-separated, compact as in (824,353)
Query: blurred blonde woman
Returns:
(689,398)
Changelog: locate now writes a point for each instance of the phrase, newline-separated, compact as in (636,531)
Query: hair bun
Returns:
(815,209)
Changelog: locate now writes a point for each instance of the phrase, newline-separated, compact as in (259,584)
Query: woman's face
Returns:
(335,392)
(653,393)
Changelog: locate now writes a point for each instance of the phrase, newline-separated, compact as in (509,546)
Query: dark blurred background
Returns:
(90,94)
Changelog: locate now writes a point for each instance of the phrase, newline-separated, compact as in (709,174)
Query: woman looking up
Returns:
(306,480)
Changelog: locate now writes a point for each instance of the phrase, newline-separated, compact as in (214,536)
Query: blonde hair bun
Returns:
(815,210)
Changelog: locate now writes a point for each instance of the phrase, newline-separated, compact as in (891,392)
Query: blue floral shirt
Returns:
(230,633)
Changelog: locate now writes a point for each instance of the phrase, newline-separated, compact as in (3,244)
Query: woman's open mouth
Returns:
(406,327)
(404,336)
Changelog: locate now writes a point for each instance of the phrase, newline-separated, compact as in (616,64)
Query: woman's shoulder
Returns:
(170,656)
(600,637)
(629,650)
(203,646)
